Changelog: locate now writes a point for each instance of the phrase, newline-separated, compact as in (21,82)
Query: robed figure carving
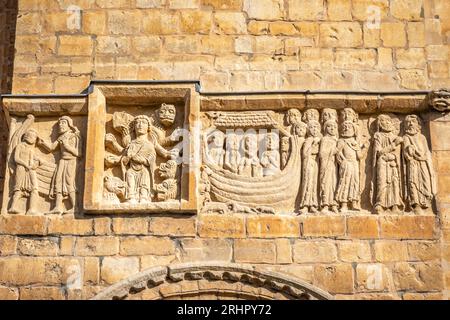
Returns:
(420,181)
(386,163)
(328,172)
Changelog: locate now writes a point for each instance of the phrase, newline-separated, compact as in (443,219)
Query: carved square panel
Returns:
(140,152)
(45,157)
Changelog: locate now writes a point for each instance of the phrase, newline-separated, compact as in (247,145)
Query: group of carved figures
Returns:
(141,141)
(331,162)
(242,156)
(31,171)
(331,148)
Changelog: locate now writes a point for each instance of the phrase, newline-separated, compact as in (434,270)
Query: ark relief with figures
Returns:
(150,149)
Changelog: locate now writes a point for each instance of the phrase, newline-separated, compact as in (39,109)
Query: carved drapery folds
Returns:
(166,148)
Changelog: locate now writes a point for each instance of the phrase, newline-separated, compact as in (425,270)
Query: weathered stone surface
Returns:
(354,251)
(390,251)
(423,251)
(205,250)
(8,293)
(23,225)
(38,247)
(336,278)
(323,226)
(134,246)
(372,277)
(8,245)
(58,226)
(230,22)
(407,227)
(75,45)
(219,226)
(254,251)
(97,246)
(418,276)
(114,269)
(340,34)
(284,251)
(264,9)
(314,252)
(305,10)
(407,9)
(124,226)
(393,34)
(273,227)
(42,293)
(181,226)
(362,227)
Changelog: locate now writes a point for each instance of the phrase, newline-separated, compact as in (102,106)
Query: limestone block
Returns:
(413,58)
(134,246)
(337,278)
(183,4)
(230,22)
(220,226)
(357,59)
(38,247)
(393,34)
(124,226)
(372,277)
(416,34)
(323,226)
(254,251)
(196,22)
(423,251)
(390,251)
(42,293)
(273,227)
(114,269)
(8,245)
(264,9)
(9,293)
(407,9)
(256,27)
(354,251)
(340,34)
(97,246)
(418,276)
(173,226)
(223,4)
(75,45)
(314,252)
(369,10)
(26,225)
(407,227)
(64,226)
(192,250)
(305,10)
(362,227)
(414,79)
(339,10)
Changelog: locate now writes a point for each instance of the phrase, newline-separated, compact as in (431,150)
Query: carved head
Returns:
(314,128)
(385,123)
(300,129)
(348,129)
(413,124)
(65,124)
(330,128)
(311,115)
(348,114)
(168,170)
(293,117)
(30,136)
(285,144)
(250,144)
(142,125)
(166,114)
(216,139)
(329,114)
(232,141)
(272,140)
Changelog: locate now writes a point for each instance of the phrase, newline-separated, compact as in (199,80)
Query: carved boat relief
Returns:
(315,161)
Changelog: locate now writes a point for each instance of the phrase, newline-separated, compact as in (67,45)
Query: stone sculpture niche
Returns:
(43,159)
(326,161)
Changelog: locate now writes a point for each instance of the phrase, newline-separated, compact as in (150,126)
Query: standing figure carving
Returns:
(63,182)
(215,151)
(419,174)
(232,156)
(328,172)
(250,165)
(348,156)
(310,168)
(26,182)
(386,164)
(270,158)
(285,149)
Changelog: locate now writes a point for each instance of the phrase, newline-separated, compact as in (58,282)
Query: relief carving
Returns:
(136,156)
(34,177)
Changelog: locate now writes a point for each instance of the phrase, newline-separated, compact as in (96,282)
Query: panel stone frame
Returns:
(18,107)
(103,95)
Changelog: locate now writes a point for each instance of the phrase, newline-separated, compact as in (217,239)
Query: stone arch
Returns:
(211,281)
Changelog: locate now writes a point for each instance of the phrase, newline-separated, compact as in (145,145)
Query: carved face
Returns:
(285,144)
(168,170)
(63,126)
(271,141)
(348,130)
(412,125)
(30,137)
(314,128)
(331,128)
(250,145)
(141,126)
(311,115)
(166,114)
(301,130)
(217,140)
(232,142)
(294,116)
(328,114)
(385,123)
(348,114)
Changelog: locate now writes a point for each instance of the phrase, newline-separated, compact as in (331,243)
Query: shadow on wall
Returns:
(8,19)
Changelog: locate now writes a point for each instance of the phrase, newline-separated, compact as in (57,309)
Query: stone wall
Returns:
(235,45)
